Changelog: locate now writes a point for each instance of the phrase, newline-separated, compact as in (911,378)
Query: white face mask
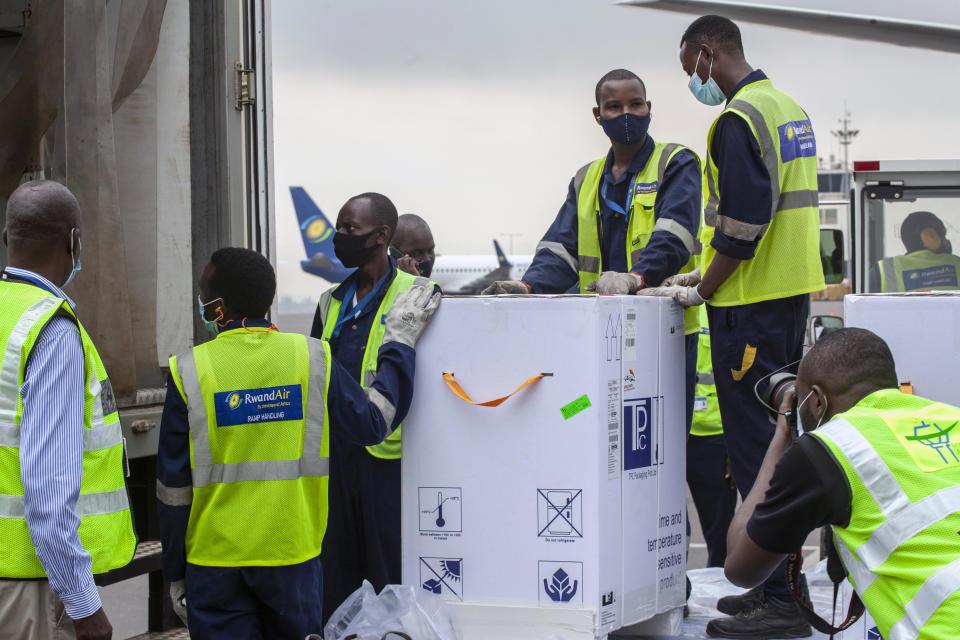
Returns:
(800,423)
(708,92)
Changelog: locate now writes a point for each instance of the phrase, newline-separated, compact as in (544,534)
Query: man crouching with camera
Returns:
(882,468)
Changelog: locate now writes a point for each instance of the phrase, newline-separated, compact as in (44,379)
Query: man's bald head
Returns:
(40,214)
(846,358)
(414,238)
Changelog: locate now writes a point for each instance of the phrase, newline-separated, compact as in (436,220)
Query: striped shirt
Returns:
(51,456)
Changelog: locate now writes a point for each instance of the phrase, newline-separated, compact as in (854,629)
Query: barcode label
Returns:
(629,342)
(614,437)
(631,315)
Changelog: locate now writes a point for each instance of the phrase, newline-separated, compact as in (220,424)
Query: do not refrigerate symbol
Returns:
(559,588)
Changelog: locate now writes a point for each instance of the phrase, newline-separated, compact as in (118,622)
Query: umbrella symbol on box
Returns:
(559,588)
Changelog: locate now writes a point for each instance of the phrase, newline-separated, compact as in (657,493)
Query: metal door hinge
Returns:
(245,91)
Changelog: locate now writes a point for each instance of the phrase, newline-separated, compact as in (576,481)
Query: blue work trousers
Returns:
(254,603)
(713,496)
(747,343)
(363,531)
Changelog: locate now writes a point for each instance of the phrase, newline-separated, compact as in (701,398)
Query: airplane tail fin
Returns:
(501,256)
(315,229)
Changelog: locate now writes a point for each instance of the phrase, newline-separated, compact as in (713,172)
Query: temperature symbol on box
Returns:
(440,509)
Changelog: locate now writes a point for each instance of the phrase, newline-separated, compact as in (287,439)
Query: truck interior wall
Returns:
(209,193)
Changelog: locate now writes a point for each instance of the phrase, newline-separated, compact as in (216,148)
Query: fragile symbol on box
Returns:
(641,433)
(560,582)
(560,513)
(442,576)
(440,509)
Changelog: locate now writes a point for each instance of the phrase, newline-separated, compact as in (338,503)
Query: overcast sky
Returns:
(475,115)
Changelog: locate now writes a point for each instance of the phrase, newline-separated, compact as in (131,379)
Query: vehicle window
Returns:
(909,239)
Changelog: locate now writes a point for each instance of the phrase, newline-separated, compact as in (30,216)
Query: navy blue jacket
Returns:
(678,198)
(743,179)
(352,417)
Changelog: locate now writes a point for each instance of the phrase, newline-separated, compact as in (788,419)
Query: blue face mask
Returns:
(626,128)
(708,92)
(73,259)
(211,325)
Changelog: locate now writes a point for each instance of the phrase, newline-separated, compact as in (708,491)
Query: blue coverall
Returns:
(775,327)
(267,602)
(363,534)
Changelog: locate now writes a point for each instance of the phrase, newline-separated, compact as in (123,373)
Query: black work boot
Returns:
(772,618)
(732,605)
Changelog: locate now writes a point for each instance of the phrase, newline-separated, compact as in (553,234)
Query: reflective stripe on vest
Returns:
(106,529)
(205,472)
(889,529)
(641,223)
(787,258)
(706,409)
(391,447)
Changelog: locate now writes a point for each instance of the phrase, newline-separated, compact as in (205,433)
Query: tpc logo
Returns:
(640,433)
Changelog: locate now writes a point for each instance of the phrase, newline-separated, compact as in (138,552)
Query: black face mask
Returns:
(425,267)
(352,250)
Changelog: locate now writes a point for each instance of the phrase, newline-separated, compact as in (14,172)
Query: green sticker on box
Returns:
(575,407)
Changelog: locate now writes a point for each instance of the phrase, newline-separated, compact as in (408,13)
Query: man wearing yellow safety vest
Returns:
(64,513)
(928,264)
(760,262)
(244,453)
(882,468)
(363,540)
(630,219)
(708,471)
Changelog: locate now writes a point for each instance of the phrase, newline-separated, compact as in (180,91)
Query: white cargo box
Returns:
(549,514)
(923,332)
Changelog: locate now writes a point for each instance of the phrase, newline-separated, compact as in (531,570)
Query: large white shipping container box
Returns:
(923,332)
(515,513)
(654,459)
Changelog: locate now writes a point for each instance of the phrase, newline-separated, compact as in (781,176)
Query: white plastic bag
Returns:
(400,611)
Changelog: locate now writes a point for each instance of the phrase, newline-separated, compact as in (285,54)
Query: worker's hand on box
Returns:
(616,282)
(410,314)
(507,286)
(689,279)
(685,296)
(179,599)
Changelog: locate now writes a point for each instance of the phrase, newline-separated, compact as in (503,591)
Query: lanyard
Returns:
(615,207)
(344,315)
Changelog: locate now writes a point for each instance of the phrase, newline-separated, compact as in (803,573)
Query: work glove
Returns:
(616,282)
(506,286)
(179,599)
(410,315)
(689,279)
(685,296)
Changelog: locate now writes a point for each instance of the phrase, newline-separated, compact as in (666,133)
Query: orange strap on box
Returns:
(460,393)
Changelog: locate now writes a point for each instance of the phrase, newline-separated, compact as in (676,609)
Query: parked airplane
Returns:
(458,275)
(906,33)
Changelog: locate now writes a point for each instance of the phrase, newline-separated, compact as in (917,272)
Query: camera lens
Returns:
(780,384)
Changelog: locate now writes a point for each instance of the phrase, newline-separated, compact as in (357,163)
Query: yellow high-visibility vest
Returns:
(391,448)
(106,528)
(259,448)
(640,223)
(901,456)
(787,259)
